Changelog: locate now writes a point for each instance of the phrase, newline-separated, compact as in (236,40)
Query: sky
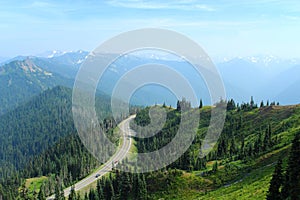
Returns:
(222,28)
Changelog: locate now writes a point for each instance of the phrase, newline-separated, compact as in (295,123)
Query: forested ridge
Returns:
(248,132)
(33,127)
(22,80)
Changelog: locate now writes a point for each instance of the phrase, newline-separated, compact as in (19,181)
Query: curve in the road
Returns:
(107,167)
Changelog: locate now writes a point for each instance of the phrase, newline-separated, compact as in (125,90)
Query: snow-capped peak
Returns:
(264,60)
(157,55)
(56,53)
(51,54)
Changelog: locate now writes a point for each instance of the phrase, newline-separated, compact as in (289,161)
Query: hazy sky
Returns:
(222,28)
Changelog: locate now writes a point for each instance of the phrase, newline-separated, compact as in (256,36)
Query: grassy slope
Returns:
(245,180)
(251,183)
(33,185)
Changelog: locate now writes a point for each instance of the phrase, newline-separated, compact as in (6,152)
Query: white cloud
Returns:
(176,5)
(290,17)
(40,4)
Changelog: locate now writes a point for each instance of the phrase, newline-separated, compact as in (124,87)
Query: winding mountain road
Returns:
(122,152)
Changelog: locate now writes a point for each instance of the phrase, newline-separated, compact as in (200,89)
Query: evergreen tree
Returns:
(142,189)
(78,197)
(252,103)
(41,195)
(100,190)
(201,104)
(1,192)
(93,195)
(291,187)
(215,167)
(62,194)
(232,147)
(135,186)
(178,106)
(86,197)
(274,192)
(242,150)
(257,144)
(125,186)
(231,105)
(72,195)
(108,189)
(139,187)
(59,192)
(24,192)
(112,192)
(267,142)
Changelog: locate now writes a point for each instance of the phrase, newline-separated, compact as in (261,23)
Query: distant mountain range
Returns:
(263,77)
(63,63)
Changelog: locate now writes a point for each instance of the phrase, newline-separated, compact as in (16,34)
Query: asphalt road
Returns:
(107,167)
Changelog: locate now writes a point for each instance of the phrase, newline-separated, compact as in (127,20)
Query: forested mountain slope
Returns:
(21,80)
(242,162)
(38,124)
(33,127)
